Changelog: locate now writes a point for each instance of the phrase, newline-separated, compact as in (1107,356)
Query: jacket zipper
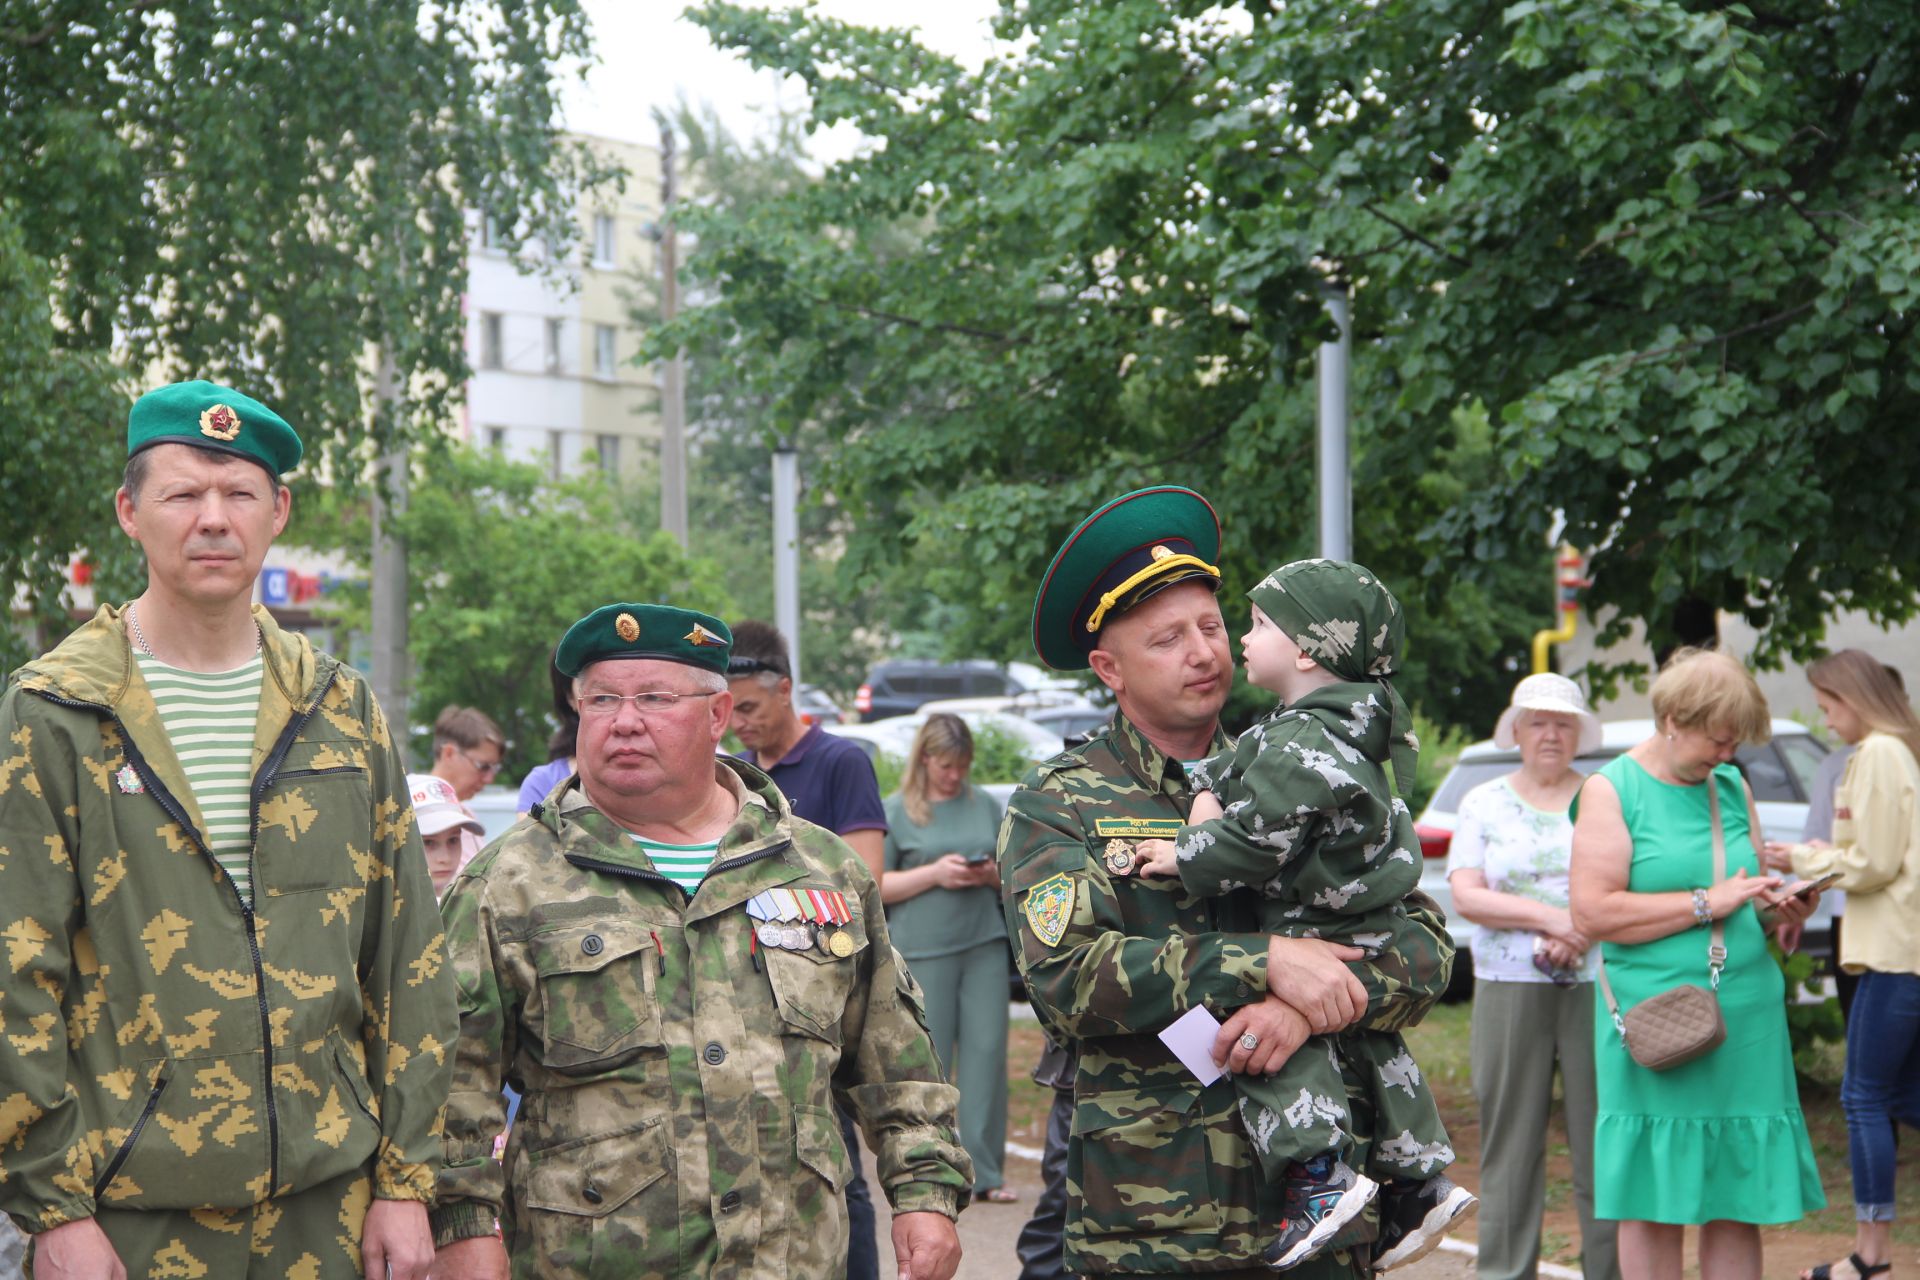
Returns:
(318,773)
(260,785)
(171,806)
(133,1135)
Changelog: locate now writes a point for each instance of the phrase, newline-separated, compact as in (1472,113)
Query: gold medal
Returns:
(840,942)
(1119,857)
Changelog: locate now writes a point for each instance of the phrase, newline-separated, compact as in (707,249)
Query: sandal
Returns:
(1825,1270)
(999,1195)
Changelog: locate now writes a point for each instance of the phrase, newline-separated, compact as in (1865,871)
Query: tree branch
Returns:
(1777,317)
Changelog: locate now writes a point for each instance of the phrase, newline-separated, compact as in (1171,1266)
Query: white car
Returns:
(1061,712)
(894,735)
(1780,773)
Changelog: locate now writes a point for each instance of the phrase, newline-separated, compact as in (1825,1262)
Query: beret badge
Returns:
(702,638)
(220,422)
(627,627)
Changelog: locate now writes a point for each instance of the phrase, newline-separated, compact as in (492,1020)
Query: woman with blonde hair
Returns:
(1876,854)
(1717,1141)
(942,889)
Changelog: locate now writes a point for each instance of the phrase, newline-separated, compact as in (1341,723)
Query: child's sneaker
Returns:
(1414,1216)
(1323,1195)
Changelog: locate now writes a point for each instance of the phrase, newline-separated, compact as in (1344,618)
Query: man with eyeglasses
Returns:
(683,979)
(468,749)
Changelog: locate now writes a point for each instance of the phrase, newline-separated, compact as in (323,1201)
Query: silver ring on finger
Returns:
(1249,1042)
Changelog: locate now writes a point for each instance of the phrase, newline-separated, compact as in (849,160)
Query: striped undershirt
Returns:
(210,718)
(684,864)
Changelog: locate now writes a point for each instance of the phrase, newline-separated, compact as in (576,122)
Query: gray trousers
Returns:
(1520,1030)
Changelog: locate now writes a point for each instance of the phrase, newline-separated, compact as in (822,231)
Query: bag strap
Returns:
(1716,945)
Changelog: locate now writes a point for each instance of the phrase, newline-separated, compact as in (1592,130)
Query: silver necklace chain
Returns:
(140,637)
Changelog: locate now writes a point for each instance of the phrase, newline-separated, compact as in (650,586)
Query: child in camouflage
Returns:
(1299,809)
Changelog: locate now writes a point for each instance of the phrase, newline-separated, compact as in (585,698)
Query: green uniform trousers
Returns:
(966,997)
(1304,1108)
(1520,1030)
(314,1235)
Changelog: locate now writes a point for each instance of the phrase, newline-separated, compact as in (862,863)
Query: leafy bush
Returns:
(1440,746)
(1810,1024)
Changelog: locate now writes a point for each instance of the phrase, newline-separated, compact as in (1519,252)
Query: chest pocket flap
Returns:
(811,985)
(597,1006)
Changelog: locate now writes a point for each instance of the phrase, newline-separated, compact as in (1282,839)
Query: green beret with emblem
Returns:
(207,415)
(1127,551)
(658,631)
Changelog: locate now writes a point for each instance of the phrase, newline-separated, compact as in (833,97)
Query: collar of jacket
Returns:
(1354,711)
(95,665)
(1148,763)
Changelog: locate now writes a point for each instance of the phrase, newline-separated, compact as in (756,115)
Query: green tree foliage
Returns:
(1673,249)
(260,193)
(502,561)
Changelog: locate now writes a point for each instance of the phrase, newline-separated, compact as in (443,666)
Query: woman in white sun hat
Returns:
(1533,978)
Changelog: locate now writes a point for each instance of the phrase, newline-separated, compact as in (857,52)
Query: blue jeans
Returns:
(863,1244)
(1882,1084)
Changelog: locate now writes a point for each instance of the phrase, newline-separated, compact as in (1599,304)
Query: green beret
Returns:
(1129,550)
(207,415)
(658,631)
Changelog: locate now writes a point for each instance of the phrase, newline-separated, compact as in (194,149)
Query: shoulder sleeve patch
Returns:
(1048,907)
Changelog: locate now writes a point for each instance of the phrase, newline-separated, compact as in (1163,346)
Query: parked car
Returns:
(814,706)
(1062,712)
(894,735)
(1779,771)
(899,687)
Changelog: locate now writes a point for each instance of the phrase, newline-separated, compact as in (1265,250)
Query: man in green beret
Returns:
(681,979)
(228,1013)
(1161,1176)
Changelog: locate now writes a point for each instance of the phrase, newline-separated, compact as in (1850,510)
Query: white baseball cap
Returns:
(1549,692)
(437,807)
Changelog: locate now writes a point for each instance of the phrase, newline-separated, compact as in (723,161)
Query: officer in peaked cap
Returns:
(683,979)
(1112,959)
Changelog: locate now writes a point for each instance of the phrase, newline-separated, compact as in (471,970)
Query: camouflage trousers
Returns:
(313,1235)
(1307,1108)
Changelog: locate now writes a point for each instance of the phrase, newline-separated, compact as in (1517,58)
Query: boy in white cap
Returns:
(448,830)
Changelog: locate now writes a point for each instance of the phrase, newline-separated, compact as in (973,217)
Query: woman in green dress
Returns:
(942,890)
(1718,1141)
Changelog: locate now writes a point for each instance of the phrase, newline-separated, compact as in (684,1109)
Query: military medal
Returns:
(840,943)
(1119,857)
(768,933)
(127,778)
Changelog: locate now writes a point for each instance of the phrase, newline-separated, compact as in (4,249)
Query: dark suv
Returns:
(898,688)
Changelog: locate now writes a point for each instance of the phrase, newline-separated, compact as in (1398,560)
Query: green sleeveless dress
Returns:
(1721,1137)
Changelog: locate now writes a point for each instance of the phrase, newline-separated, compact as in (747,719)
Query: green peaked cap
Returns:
(207,415)
(1127,551)
(658,631)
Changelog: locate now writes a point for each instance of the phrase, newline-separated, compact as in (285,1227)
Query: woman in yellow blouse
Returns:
(1876,851)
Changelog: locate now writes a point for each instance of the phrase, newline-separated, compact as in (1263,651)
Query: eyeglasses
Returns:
(488,767)
(753,666)
(651,702)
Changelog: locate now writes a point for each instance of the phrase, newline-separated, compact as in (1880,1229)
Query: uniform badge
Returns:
(701,638)
(1119,857)
(627,627)
(220,423)
(127,778)
(1048,908)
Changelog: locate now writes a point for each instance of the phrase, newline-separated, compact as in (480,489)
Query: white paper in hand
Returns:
(1191,1038)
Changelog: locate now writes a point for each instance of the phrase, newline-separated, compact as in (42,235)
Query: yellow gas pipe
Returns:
(1567,584)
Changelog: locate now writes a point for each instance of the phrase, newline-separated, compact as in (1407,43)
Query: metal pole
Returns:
(786,550)
(391,676)
(673,375)
(1335,482)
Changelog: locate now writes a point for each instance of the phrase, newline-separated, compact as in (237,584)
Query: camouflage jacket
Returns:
(679,1077)
(1160,1176)
(1310,822)
(167,1045)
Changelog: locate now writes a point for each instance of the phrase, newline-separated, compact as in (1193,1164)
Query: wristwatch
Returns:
(1702,909)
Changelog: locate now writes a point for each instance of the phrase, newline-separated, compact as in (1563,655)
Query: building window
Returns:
(554,440)
(553,345)
(608,450)
(603,351)
(492,339)
(497,439)
(489,232)
(603,240)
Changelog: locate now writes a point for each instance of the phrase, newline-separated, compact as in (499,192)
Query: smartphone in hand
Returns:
(1807,888)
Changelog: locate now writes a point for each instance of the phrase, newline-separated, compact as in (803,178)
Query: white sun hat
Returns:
(1549,692)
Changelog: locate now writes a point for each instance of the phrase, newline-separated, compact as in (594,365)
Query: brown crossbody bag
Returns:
(1684,1023)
